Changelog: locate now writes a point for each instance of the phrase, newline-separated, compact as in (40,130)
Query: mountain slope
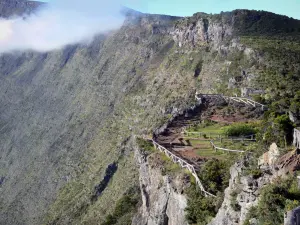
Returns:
(68,117)
(9,8)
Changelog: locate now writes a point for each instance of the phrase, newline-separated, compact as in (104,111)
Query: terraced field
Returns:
(200,142)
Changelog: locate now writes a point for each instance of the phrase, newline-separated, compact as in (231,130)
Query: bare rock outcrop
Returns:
(201,32)
(289,162)
(269,158)
(163,199)
(240,196)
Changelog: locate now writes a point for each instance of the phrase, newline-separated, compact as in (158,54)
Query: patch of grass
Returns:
(169,167)
(126,205)
(211,128)
(204,148)
(144,145)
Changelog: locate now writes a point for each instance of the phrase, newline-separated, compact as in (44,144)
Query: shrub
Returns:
(275,200)
(277,128)
(239,129)
(256,173)
(169,167)
(144,145)
(291,204)
(233,202)
(215,177)
(251,214)
(200,209)
(259,98)
(109,220)
(127,205)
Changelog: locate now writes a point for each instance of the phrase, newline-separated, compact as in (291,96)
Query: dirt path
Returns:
(173,139)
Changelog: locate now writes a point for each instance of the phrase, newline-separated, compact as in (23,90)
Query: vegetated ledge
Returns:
(197,205)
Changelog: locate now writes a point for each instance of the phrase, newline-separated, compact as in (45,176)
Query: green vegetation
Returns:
(219,134)
(216,129)
(275,199)
(209,130)
(206,127)
(270,44)
(215,177)
(201,210)
(145,146)
(204,147)
(279,75)
(262,23)
(126,206)
(239,129)
(279,78)
(168,166)
(233,201)
(277,128)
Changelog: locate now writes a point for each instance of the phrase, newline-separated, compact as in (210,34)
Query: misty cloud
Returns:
(60,23)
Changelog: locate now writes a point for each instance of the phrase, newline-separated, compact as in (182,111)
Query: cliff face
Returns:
(202,32)
(242,193)
(9,8)
(67,115)
(163,201)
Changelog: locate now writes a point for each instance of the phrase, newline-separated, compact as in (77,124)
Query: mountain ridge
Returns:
(67,115)
(10,8)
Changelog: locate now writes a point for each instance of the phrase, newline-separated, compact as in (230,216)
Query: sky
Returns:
(60,23)
(289,8)
(64,22)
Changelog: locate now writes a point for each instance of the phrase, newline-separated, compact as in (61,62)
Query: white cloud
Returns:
(60,23)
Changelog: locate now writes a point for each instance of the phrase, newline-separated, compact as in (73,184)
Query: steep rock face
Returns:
(66,115)
(269,158)
(289,163)
(162,196)
(201,32)
(243,193)
(10,8)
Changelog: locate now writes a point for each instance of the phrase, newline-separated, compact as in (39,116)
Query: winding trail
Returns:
(170,141)
(228,99)
(224,149)
(183,164)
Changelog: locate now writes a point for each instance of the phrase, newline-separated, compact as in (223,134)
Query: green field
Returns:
(211,128)
(212,132)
